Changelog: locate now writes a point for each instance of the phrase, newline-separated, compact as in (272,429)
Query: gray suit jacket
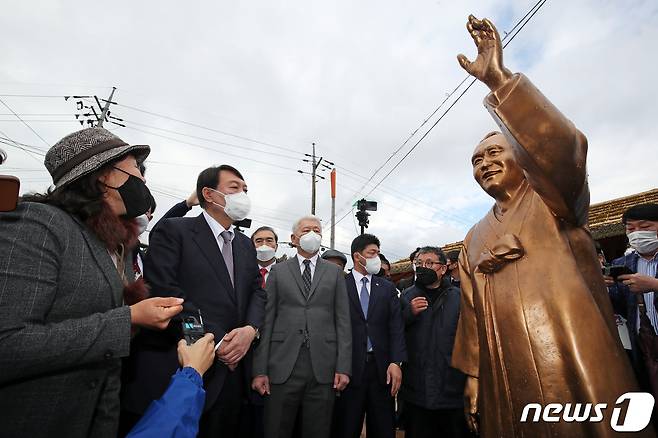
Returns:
(63,328)
(288,313)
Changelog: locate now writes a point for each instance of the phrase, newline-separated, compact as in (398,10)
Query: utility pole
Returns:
(314,168)
(106,108)
(333,208)
(323,165)
(315,162)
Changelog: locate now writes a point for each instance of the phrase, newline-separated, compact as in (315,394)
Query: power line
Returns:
(25,123)
(196,125)
(25,148)
(212,140)
(526,18)
(211,149)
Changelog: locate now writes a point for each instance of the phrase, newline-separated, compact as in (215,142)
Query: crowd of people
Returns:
(91,327)
(206,333)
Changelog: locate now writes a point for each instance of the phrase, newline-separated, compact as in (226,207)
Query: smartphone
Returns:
(193,329)
(615,271)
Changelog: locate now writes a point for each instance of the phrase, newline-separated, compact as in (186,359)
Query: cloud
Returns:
(355,77)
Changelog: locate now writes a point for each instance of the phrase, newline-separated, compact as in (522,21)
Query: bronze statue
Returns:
(536,323)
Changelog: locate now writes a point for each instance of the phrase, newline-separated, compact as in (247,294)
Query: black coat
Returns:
(184,260)
(428,380)
(383,325)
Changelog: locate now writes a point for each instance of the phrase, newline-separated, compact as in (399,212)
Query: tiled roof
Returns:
(607,213)
(604,221)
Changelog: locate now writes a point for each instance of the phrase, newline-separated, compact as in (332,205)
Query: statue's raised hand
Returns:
(488,66)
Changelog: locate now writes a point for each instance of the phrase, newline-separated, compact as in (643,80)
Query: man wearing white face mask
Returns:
(214,268)
(378,347)
(304,355)
(266,242)
(641,223)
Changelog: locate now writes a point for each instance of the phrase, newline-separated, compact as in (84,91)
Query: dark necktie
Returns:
(227,252)
(306,276)
(263,273)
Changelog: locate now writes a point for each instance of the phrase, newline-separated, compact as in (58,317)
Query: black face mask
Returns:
(136,196)
(426,276)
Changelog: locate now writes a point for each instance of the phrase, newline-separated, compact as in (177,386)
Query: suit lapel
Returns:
(375,289)
(320,269)
(353,293)
(295,270)
(207,243)
(104,261)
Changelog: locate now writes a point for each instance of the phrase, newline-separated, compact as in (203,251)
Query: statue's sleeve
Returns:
(549,148)
(466,352)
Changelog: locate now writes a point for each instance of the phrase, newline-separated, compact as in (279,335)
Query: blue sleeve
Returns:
(177,413)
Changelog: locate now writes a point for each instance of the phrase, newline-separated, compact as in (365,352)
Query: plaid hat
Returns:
(85,151)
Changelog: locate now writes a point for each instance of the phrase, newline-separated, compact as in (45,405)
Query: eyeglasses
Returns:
(427,264)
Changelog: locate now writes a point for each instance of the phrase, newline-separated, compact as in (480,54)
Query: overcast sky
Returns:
(356,78)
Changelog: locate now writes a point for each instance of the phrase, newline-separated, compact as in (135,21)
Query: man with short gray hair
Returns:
(305,351)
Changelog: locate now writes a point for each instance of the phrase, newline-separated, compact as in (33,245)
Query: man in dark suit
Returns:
(305,351)
(203,260)
(378,347)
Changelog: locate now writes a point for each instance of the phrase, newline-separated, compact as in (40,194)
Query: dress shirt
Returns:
(648,268)
(314,261)
(357,280)
(268,267)
(217,230)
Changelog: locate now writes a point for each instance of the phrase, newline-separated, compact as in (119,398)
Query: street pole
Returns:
(315,163)
(313,169)
(333,209)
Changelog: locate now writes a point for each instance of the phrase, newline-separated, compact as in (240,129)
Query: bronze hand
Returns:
(488,66)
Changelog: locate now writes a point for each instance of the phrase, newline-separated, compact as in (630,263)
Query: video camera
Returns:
(362,215)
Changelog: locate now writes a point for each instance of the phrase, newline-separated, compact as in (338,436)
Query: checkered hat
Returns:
(86,151)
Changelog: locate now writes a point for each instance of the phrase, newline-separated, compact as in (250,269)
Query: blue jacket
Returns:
(428,380)
(177,413)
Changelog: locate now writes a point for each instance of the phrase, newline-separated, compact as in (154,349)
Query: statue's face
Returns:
(495,168)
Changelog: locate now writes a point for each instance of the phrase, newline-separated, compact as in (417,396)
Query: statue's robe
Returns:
(536,323)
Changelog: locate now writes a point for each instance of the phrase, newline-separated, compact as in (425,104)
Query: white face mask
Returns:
(142,222)
(237,206)
(373,265)
(310,242)
(644,242)
(265,253)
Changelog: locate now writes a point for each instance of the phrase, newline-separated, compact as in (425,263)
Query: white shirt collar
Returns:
(313,260)
(268,267)
(216,227)
(358,276)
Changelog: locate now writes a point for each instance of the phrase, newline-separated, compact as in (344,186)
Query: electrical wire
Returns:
(25,123)
(207,128)
(522,23)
